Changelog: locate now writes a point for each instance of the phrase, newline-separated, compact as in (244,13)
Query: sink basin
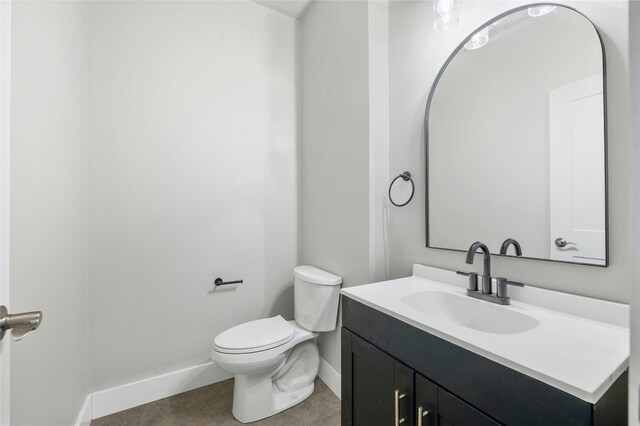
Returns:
(471,313)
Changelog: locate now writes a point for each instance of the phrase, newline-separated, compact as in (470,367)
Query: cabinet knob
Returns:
(398,397)
(422,413)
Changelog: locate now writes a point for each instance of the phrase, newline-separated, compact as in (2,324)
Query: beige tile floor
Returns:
(211,405)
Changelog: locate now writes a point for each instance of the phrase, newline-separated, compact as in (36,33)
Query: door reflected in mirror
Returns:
(515,131)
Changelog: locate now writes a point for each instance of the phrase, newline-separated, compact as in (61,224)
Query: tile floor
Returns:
(211,405)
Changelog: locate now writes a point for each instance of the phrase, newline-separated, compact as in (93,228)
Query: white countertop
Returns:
(577,344)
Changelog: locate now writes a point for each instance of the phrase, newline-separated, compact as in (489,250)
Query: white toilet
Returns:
(275,361)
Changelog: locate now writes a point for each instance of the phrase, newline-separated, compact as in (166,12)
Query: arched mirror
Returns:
(516,139)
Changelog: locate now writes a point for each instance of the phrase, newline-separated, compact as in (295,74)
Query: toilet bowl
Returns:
(272,378)
(275,361)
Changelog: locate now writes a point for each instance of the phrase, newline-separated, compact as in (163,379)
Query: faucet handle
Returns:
(501,286)
(473,280)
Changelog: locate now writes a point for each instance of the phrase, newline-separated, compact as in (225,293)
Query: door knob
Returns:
(561,242)
(19,324)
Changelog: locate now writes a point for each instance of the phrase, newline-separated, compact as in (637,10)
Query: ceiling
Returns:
(293,8)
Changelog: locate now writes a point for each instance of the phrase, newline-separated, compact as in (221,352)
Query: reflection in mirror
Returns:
(516,139)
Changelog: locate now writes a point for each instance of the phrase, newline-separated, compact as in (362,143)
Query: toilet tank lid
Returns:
(316,276)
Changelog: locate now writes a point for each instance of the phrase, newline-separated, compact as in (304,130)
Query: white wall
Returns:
(378,40)
(334,169)
(634,78)
(49,368)
(192,158)
(416,53)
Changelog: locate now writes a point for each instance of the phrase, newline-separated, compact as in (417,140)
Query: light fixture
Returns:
(445,14)
(478,40)
(537,11)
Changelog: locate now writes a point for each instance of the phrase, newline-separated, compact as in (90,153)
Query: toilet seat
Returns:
(254,336)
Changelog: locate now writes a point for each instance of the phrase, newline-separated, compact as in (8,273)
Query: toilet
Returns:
(275,362)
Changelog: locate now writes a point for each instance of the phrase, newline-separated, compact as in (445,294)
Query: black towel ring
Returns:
(406,176)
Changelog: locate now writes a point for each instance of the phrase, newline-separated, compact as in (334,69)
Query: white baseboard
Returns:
(120,398)
(330,377)
(131,395)
(84,417)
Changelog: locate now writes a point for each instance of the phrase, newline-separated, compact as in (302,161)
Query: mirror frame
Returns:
(434,85)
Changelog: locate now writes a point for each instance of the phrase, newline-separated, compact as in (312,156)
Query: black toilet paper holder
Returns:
(219,281)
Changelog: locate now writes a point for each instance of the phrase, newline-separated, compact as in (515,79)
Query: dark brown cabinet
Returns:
(394,373)
(383,391)
(426,401)
(376,377)
(454,411)
(439,407)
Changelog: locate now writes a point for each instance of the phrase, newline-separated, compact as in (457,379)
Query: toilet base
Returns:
(256,396)
(259,409)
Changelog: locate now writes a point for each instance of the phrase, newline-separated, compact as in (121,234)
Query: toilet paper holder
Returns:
(219,282)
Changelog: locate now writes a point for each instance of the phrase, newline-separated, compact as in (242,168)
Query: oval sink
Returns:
(471,313)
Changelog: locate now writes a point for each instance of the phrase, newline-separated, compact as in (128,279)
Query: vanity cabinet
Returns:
(375,378)
(380,382)
(439,407)
(382,355)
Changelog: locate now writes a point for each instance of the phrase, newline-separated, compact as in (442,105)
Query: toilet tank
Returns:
(316,298)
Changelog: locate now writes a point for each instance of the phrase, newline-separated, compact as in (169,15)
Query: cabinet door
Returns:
(370,380)
(426,406)
(455,412)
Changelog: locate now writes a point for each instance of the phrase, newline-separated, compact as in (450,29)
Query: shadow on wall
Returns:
(283,303)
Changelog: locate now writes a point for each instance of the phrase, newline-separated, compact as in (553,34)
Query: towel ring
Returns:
(406,176)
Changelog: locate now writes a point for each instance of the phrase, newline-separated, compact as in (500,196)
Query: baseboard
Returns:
(120,398)
(330,377)
(84,417)
(133,394)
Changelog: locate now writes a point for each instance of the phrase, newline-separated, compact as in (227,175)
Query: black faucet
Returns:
(486,256)
(501,297)
(507,243)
